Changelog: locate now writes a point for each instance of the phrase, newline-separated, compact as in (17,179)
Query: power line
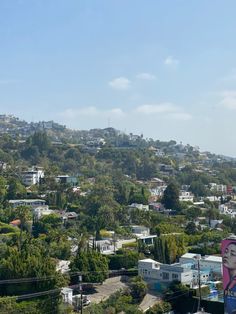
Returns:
(72,274)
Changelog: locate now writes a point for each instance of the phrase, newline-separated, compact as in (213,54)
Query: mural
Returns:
(228,250)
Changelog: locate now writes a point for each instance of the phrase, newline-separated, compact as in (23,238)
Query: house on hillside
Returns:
(185,196)
(139,206)
(140,231)
(41,211)
(27,202)
(66,179)
(159,275)
(106,247)
(32,176)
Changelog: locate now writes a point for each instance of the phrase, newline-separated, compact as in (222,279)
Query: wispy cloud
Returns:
(167,110)
(155,108)
(120,83)
(74,113)
(183,116)
(145,115)
(146,76)
(171,61)
(228,99)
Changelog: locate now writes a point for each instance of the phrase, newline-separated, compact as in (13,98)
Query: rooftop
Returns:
(26,201)
(189,255)
(212,258)
(148,260)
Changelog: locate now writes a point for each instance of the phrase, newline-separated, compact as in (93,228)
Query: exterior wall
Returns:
(185,271)
(186,196)
(42,211)
(211,265)
(140,230)
(32,177)
(149,270)
(67,295)
(32,203)
(67,180)
(189,258)
(148,240)
(170,273)
(164,273)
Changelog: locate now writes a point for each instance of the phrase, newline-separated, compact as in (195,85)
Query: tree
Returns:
(193,212)
(167,227)
(31,262)
(177,294)
(212,213)
(15,189)
(23,213)
(3,189)
(191,228)
(162,307)
(198,188)
(41,140)
(105,218)
(92,264)
(138,288)
(124,259)
(171,197)
(168,248)
(159,250)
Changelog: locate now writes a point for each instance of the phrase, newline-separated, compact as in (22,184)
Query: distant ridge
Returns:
(21,130)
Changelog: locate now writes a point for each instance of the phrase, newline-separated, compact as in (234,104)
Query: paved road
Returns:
(109,287)
(148,301)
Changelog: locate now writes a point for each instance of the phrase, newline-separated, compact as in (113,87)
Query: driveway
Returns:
(148,301)
(109,286)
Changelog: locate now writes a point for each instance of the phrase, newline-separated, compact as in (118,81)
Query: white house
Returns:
(185,196)
(219,188)
(140,206)
(186,271)
(147,240)
(227,209)
(189,258)
(208,262)
(214,263)
(41,211)
(32,176)
(149,269)
(140,231)
(67,295)
(27,202)
(105,247)
(177,271)
(153,271)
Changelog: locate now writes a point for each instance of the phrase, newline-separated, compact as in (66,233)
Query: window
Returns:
(165,276)
(175,276)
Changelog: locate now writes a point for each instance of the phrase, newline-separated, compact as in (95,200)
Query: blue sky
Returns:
(166,69)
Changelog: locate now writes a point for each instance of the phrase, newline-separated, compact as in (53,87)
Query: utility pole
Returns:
(81,294)
(199,283)
(114,242)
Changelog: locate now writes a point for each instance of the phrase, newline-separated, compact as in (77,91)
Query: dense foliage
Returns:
(114,171)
